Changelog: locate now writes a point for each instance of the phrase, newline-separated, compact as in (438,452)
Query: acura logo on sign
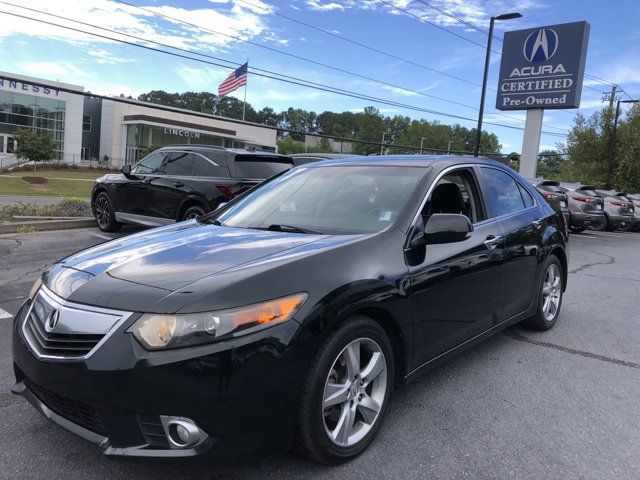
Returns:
(541,45)
(52,321)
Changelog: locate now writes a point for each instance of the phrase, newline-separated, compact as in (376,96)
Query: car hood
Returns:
(169,258)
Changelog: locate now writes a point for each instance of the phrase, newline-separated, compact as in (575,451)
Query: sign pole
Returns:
(531,142)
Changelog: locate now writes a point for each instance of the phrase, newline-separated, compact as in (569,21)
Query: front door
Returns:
(172,185)
(456,292)
(8,144)
(133,195)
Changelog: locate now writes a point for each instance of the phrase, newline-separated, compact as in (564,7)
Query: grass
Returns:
(62,183)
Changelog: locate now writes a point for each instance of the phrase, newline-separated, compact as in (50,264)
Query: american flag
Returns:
(237,79)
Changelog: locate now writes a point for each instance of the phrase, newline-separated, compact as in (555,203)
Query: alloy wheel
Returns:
(354,392)
(103,211)
(551,292)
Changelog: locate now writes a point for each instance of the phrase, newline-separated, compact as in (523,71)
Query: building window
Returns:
(85,153)
(86,123)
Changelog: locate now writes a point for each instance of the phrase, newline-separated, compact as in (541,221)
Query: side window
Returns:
(205,168)
(150,164)
(456,192)
(526,196)
(502,192)
(179,164)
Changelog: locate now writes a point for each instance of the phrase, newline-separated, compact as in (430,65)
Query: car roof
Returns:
(436,161)
(326,156)
(237,151)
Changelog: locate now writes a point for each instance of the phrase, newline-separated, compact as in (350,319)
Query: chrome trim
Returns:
(74,323)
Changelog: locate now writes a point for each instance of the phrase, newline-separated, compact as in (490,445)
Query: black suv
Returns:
(179,182)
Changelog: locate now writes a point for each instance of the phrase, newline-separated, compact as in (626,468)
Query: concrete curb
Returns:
(43,225)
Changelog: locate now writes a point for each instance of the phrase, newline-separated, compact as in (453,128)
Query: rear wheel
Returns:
(193,212)
(104,213)
(347,392)
(549,298)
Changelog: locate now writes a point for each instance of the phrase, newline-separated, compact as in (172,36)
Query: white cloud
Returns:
(230,19)
(399,91)
(50,69)
(104,57)
(325,7)
(201,79)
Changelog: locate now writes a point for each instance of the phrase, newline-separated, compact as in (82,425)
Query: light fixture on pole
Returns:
(613,139)
(505,16)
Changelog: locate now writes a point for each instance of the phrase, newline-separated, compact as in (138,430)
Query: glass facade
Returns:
(18,110)
(143,139)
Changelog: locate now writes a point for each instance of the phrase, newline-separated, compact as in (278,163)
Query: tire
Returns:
(320,437)
(607,225)
(577,229)
(104,213)
(546,316)
(194,211)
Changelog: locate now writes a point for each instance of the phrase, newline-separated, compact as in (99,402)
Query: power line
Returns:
(301,82)
(485,32)
(382,52)
(359,44)
(230,120)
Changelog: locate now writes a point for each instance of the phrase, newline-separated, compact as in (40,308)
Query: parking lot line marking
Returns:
(612,234)
(101,236)
(582,235)
(4,314)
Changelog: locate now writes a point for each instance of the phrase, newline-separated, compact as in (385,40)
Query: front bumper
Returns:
(238,392)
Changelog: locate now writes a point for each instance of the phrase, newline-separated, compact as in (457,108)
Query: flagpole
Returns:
(244,104)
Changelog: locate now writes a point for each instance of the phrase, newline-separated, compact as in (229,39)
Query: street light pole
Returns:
(382,144)
(505,16)
(613,139)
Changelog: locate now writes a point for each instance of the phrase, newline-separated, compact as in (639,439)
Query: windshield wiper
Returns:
(217,222)
(289,228)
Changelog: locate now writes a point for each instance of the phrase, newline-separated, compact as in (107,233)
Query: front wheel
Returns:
(193,212)
(346,392)
(549,298)
(104,213)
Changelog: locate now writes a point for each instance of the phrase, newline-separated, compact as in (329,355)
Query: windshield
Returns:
(331,200)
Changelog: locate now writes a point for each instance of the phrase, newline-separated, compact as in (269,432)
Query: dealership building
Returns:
(88,128)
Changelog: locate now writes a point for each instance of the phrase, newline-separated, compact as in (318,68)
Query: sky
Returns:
(425,59)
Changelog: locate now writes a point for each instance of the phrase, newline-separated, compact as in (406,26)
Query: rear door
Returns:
(522,225)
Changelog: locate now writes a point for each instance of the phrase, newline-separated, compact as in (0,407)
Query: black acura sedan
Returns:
(288,316)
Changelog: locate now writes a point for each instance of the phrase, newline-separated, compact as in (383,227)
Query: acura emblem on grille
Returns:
(52,320)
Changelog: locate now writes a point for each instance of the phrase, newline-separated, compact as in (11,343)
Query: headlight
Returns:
(34,289)
(157,331)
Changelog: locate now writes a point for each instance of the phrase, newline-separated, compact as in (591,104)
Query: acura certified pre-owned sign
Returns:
(543,67)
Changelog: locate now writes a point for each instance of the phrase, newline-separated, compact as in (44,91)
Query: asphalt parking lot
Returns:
(559,404)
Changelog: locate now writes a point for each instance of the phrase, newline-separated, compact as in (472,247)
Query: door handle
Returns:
(537,223)
(492,241)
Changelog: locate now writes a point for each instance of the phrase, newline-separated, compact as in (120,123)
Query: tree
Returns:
(323,147)
(35,147)
(550,164)
(372,126)
(287,145)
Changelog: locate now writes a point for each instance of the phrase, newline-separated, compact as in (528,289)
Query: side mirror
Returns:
(126,170)
(447,228)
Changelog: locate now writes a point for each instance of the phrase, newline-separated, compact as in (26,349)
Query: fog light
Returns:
(182,432)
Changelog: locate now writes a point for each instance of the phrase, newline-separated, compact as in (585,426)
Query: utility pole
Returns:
(421,143)
(382,143)
(612,97)
(613,134)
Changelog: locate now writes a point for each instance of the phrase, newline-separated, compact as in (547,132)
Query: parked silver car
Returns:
(586,207)
(618,210)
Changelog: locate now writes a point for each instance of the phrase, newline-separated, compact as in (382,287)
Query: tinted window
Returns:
(150,164)
(255,166)
(205,168)
(526,196)
(179,163)
(502,192)
(332,200)
(460,197)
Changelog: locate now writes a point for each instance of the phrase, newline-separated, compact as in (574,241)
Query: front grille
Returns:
(153,431)
(77,412)
(57,329)
(56,344)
